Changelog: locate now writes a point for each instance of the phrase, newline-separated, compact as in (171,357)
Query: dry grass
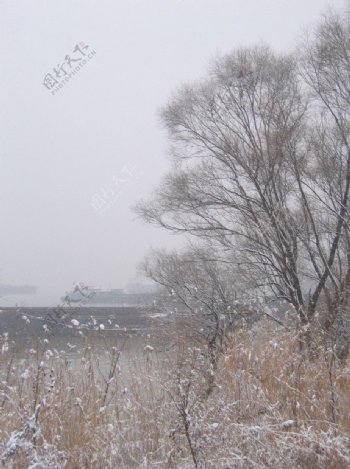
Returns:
(286,408)
(270,407)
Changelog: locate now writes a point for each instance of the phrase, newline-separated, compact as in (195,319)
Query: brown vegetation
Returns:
(270,407)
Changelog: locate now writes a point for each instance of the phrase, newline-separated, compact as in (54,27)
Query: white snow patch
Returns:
(288,424)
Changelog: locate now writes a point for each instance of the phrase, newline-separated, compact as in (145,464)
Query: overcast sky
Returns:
(75,160)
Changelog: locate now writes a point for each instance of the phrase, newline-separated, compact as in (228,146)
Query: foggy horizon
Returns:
(75,161)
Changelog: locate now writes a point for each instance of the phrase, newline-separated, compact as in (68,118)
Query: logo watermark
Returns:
(108,194)
(72,64)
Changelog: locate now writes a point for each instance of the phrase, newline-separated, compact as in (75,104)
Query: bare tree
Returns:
(262,169)
(325,68)
(232,138)
(202,289)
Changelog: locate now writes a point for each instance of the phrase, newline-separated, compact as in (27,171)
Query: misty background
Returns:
(74,163)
